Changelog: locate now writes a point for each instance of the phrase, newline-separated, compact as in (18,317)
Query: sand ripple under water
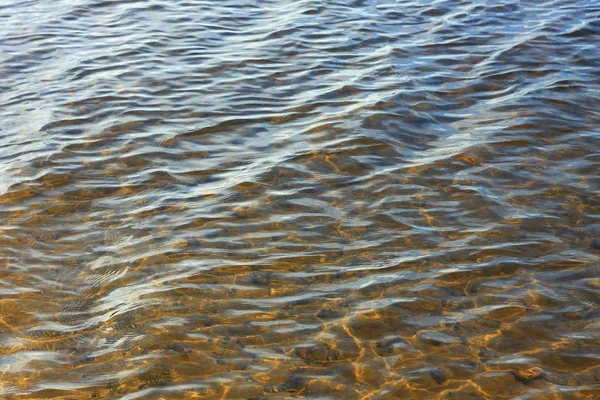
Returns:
(299,199)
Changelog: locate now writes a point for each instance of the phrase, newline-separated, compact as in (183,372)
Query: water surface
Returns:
(299,199)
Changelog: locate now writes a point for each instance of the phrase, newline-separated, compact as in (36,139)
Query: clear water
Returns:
(299,199)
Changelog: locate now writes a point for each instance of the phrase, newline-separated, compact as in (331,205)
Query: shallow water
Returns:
(308,199)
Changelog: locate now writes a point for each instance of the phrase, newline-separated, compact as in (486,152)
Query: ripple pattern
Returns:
(269,199)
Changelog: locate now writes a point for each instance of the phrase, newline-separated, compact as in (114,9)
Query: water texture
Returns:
(299,199)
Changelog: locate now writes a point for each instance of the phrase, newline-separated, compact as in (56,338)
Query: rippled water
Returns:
(308,199)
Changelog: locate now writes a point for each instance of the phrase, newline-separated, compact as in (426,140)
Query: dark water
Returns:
(299,199)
